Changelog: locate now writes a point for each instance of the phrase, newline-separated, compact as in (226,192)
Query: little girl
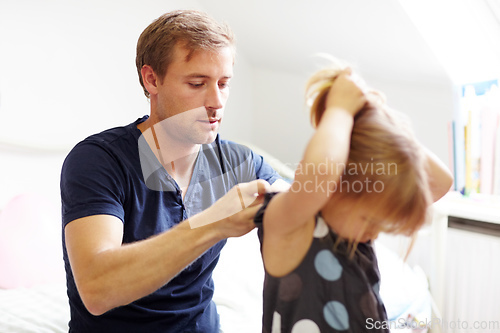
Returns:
(362,173)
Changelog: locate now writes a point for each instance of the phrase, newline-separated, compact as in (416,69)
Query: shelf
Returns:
(475,207)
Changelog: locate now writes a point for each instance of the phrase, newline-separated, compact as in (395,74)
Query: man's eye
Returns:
(196,85)
(223,85)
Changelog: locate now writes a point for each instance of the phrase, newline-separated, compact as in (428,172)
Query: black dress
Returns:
(330,291)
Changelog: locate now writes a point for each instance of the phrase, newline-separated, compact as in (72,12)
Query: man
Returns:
(139,242)
(147,207)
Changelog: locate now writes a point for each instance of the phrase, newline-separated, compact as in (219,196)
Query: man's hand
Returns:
(234,212)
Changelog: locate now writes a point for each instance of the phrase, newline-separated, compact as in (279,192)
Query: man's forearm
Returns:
(110,274)
(122,274)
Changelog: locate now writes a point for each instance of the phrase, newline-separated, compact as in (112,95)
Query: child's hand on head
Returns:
(346,93)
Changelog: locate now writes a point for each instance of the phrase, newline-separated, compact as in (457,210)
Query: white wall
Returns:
(67,71)
(67,68)
(429,106)
(26,171)
(239,116)
(282,125)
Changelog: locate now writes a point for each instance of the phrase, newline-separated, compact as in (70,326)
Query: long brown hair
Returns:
(384,154)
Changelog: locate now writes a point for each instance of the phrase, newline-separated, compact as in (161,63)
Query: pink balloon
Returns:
(30,242)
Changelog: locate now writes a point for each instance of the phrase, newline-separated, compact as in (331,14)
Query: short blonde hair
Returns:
(383,152)
(193,29)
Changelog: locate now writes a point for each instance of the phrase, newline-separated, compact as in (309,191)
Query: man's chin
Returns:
(209,138)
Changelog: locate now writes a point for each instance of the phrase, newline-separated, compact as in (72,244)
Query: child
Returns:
(362,173)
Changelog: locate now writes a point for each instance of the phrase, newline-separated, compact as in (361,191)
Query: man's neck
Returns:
(177,157)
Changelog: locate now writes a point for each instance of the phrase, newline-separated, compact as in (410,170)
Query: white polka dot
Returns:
(276,328)
(321,229)
(305,326)
(376,289)
(336,315)
(327,265)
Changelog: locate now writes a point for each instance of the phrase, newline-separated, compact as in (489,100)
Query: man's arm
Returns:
(110,274)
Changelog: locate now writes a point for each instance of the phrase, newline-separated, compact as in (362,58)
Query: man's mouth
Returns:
(213,123)
(210,120)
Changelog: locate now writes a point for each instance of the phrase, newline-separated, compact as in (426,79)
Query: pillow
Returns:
(239,279)
(30,242)
(404,290)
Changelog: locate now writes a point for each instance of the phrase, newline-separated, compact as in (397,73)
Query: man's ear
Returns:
(149,79)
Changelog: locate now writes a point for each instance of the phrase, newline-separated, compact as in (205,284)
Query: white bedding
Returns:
(41,309)
(238,281)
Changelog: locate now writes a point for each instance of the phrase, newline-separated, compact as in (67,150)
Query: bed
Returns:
(32,287)
(39,309)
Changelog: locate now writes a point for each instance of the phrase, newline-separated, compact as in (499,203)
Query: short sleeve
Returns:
(263,170)
(245,164)
(92,183)
(259,217)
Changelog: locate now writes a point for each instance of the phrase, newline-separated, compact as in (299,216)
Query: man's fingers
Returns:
(251,192)
(263,187)
(249,212)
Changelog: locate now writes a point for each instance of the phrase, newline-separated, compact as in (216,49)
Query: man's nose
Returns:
(214,99)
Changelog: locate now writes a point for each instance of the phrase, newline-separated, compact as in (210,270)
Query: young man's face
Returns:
(193,93)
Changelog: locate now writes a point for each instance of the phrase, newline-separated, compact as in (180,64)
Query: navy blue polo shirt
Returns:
(116,173)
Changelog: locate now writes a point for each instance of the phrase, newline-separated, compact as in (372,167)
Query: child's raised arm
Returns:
(440,178)
(323,162)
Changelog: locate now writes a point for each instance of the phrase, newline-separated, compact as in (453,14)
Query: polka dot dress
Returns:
(328,292)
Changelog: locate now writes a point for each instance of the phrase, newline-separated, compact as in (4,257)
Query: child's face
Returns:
(354,223)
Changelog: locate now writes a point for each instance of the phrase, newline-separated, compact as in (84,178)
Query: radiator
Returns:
(471,291)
